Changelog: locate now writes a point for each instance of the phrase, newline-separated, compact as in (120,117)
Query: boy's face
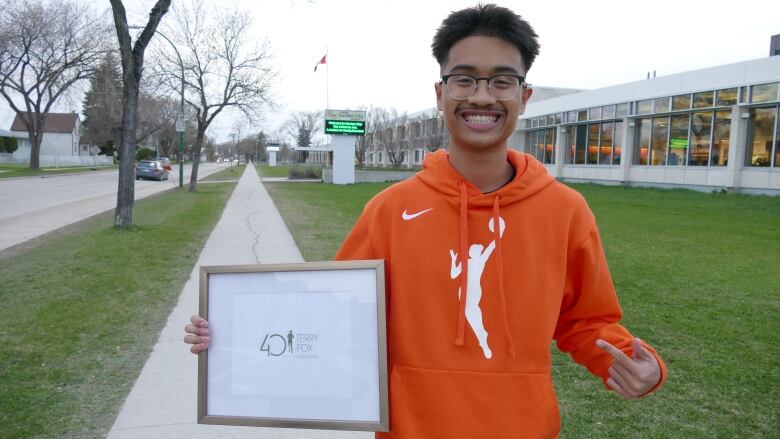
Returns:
(482,122)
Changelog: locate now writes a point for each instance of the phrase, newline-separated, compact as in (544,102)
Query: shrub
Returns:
(310,171)
(8,144)
(144,154)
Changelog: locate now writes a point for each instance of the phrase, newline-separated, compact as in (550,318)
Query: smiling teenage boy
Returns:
(489,260)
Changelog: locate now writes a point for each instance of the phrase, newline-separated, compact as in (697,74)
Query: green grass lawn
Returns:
(229,173)
(275,171)
(81,312)
(10,170)
(698,276)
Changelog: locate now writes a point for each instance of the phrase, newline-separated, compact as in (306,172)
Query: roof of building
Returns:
(53,123)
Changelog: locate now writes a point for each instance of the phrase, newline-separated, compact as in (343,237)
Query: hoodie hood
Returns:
(530,178)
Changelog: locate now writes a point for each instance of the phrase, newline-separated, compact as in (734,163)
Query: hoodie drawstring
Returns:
(464,265)
(464,274)
(500,269)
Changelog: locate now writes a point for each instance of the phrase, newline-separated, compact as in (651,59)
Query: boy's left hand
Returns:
(631,377)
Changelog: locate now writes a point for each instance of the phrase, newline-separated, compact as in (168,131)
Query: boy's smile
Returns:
(482,121)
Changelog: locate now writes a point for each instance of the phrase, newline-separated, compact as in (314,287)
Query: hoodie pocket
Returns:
(426,403)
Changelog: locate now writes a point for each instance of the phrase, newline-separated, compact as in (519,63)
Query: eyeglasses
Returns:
(461,86)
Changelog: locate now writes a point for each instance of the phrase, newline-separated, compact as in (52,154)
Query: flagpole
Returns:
(327,83)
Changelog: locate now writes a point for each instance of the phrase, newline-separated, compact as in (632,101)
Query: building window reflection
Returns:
(617,140)
(681,102)
(660,137)
(605,144)
(701,137)
(641,152)
(763,93)
(762,131)
(703,99)
(678,139)
(720,138)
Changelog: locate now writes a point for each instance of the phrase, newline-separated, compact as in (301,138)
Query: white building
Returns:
(61,135)
(708,129)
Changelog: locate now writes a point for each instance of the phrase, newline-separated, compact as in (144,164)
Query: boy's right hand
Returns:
(197,334)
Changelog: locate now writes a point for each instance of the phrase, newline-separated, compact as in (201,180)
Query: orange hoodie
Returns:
(479,365)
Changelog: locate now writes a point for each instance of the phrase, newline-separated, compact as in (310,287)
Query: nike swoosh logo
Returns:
(409,216)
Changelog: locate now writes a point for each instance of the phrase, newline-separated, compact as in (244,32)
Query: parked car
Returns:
(166,163)
(150,169)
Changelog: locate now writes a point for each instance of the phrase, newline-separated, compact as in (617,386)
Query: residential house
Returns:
(61,135)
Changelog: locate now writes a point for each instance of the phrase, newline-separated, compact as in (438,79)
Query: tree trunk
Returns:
(196,158)
(126,192)
(35,147)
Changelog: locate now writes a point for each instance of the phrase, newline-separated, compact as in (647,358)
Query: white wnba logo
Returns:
(476,265)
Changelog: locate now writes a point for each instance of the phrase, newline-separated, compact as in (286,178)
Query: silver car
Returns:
(150,169)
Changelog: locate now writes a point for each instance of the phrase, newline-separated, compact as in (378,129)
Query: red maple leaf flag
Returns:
(322,61)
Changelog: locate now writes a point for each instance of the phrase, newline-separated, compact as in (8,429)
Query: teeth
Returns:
(480,119)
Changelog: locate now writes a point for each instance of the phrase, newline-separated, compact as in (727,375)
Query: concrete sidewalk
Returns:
(162,403)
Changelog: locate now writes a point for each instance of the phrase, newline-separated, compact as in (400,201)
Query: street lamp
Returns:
(180,118)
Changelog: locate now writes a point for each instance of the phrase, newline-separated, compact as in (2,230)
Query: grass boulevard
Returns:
(696,274)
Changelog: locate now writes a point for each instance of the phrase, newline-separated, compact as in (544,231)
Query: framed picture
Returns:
(295,345)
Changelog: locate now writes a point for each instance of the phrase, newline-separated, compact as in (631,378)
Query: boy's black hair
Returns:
(486,20)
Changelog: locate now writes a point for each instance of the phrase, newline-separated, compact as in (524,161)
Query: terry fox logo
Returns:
(478,257)
(276,345)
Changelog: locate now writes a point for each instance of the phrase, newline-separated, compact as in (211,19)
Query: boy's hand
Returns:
(631,377)
(198,334)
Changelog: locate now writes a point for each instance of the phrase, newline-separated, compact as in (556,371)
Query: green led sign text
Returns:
(348,127)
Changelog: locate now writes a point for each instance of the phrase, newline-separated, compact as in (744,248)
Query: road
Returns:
(33,206)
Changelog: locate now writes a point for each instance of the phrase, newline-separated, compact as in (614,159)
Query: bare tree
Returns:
(224,67)
(436,134)
(395,138)
(300,127)
(364,143)
(45,48)
(132,56)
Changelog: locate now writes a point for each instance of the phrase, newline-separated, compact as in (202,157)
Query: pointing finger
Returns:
(617,355)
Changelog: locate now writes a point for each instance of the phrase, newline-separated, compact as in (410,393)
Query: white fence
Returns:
(59,161)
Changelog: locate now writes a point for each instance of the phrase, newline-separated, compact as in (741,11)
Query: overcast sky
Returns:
(379,50)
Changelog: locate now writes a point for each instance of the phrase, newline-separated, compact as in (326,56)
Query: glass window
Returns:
(595,113)
(703,99)
(720,138)
(608,112)
(661,105)
(777,140)
(550,119)
(571,116)
(571,141)
(681,102)
(617,140)
(540,145)
(534,122)
(605,147)
(582,115)
(621,110)
(593,144)
(743,94)
(644,107)
(763,93)
(549,146)
(760,132)
(726,97)
(660,139)
(701,133)
(642,127)
(582,137)
(678,140)
(558,118)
